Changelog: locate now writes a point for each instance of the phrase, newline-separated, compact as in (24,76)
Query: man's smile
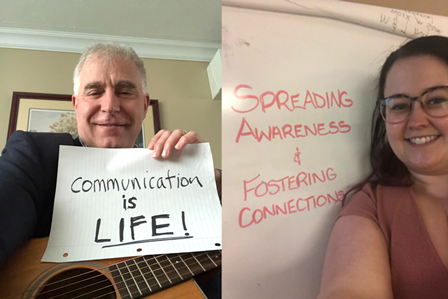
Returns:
(111,125)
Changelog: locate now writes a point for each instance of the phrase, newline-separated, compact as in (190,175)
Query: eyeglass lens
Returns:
(397,109)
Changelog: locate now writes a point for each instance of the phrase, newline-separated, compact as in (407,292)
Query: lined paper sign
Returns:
(121,202)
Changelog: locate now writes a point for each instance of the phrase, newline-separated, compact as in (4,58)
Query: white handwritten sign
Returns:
(121,202)
(298,95)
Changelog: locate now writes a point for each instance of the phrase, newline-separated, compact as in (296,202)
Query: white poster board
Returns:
(121,202)
(298,95)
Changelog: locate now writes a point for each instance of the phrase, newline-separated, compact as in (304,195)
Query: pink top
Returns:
(416,268)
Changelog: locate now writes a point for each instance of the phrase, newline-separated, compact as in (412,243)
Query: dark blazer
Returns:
(28,171)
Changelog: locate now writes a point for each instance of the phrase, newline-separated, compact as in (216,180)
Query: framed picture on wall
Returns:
(41,112)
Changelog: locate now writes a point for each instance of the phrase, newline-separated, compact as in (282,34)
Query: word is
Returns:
(129,203)
(282,100)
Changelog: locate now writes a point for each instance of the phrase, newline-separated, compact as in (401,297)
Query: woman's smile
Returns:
(422,140)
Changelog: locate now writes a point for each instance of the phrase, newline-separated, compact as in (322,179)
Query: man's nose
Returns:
(110,103)
(418,117)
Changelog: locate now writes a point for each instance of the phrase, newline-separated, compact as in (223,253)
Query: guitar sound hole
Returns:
(77,283)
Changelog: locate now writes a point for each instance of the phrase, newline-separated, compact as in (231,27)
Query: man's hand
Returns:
(164,141)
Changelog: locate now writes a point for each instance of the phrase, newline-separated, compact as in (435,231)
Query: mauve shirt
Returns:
(416,268)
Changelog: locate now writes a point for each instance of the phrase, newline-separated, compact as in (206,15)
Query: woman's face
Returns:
(412,76)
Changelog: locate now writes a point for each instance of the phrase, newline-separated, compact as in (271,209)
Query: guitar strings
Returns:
(208,258)
(145,288)
(128,294)
(104,268)
(111,271)
(159,281)
(99,275)
(130,272)
(157,286)
(133,276)
(149,287)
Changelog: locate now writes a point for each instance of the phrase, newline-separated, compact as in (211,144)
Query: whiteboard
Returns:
(298,94)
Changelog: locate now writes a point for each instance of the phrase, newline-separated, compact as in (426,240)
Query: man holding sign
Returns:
(111,102)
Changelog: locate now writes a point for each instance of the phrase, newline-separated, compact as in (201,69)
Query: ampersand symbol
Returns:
(297,156)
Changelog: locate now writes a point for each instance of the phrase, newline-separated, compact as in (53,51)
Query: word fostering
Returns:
(257,188)
(260,188)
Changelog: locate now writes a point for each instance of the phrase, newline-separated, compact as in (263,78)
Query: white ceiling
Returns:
(183,29)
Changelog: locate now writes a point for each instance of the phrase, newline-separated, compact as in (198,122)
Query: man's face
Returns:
(110,105)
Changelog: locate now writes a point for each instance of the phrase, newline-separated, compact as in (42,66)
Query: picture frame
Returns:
(44,112)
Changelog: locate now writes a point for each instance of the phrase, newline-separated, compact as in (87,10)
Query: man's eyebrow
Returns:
(93,84)
(125,84)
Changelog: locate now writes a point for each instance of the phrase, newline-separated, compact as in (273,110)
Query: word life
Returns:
(159,225)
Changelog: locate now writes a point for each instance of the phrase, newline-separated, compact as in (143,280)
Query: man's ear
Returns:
(146,103)
(74,102)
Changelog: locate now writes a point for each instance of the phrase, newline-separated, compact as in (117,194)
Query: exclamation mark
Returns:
(183,222)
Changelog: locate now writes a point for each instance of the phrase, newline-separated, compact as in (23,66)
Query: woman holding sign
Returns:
(391,238)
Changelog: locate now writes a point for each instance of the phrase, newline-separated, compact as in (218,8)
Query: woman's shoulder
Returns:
(374,199)
(379,192)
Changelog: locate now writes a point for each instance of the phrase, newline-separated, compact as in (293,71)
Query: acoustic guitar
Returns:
(24,276)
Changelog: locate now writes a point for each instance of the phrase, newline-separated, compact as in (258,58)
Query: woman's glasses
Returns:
(397,108)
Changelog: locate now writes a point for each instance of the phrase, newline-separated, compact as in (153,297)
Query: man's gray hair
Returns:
(111,50)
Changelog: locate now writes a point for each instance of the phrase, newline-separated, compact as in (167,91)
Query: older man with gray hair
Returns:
(111,102)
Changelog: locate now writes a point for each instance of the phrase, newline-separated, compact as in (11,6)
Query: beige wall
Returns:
(180,86)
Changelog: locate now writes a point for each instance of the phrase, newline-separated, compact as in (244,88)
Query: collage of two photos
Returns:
(223,149)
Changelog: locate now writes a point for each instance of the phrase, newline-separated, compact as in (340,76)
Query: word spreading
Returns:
(283,100)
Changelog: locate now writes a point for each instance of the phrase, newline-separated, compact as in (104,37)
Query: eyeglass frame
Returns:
(413,99)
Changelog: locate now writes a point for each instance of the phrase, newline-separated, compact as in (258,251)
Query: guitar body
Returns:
(25,276)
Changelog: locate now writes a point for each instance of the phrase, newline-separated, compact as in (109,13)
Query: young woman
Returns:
(391,239)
